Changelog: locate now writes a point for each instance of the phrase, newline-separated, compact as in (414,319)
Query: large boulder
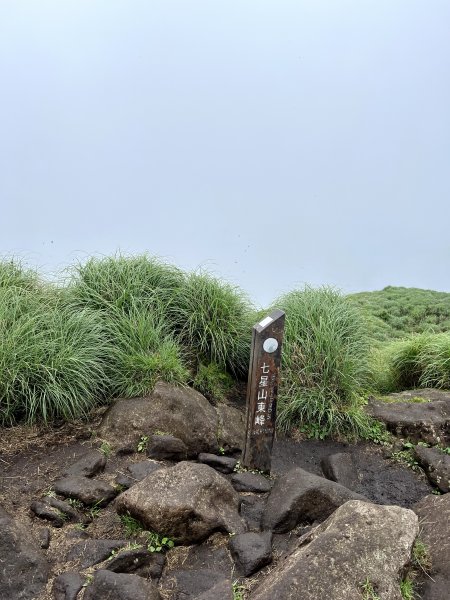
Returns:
(361,544)
(436,465)
(177,411)
(23,568)
(427,421)
(187,502)
(299,496)
(434,516)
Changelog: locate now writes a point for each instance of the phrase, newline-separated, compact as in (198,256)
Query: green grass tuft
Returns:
(325,364)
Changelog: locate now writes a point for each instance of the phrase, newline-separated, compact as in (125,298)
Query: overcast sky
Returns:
(275,142)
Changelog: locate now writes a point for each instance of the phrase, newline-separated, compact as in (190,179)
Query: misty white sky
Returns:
(275,142)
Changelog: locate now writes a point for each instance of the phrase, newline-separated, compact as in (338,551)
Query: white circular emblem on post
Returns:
(270,345)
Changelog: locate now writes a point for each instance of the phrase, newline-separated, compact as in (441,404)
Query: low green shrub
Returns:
(213,382)
(325,365)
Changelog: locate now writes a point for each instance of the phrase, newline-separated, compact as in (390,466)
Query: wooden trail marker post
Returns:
(262,389)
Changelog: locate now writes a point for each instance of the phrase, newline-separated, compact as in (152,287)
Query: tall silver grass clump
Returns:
(144,351)
(124,282)
(325,365)
(52,358)
(213,321)
(421,360)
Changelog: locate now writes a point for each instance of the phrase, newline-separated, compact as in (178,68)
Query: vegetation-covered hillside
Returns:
(398,311)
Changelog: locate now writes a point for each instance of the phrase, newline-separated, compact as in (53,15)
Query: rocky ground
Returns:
(150,502)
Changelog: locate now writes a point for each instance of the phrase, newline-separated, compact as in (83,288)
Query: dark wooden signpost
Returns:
(262,388)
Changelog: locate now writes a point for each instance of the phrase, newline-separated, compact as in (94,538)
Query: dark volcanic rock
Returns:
(187,502)
(44,538)
(180,412)
(167,447)
(360,542)
(436,465)
(223,464)
(231,428)
(23,568)
(44,511)
(90,552)
(434,517)
(88,465)
(252,509)
(299,496)
(193,583)
(340,467)
(88,491)
(139,561)
(136,472)
(251,551)
(251,482)
(427,422)
(67,585)
(120,586)
(221,591)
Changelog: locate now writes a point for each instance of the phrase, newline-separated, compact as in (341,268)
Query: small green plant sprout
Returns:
(143,443)
(119,487)
(368,590)
(94,510)
(407,589)
(106,448)
(50,493)
(378,434)
(222,450)
(421,556)
(79,526)
(89,579)
(131,525)
(446,450)
(157,543)
(74,503)
(238,590)
(406,456)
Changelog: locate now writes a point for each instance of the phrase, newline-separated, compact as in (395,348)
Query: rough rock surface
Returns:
(436,465)
(419,421)
(340,468)
(221,591)
(251,482)
(23,568)
(119,586)
(88,491)
(90,552)
(360,542)
(67,585)
(90,464)
(434,516)
(180,412)
(136,472)
(223,464)
(167,447)
(190,584)
(299,496)
(251,551)
(187,502)
(139,561)
(231,428)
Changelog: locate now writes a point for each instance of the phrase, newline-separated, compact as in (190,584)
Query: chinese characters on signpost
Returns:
(262,391)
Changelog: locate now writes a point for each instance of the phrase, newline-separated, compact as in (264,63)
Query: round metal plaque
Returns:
(270,345)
